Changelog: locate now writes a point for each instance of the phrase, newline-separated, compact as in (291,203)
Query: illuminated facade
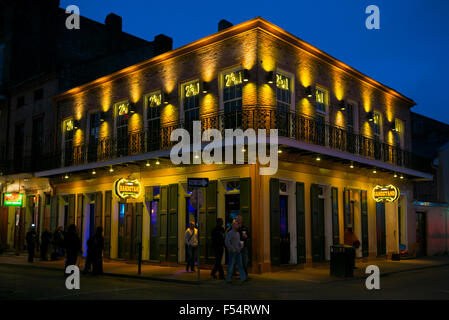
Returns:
(341,134)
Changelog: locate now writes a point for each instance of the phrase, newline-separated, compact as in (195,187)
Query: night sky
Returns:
(409,53)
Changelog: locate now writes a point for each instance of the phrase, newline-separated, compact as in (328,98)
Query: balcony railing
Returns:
(292,125)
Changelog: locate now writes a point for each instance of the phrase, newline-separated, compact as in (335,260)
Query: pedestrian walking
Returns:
(218,246)
(191,240)
(244,236)
(31,241)
(58,243)
(97,259)
(351,240)
(72,245)
(234,246)
(45,242)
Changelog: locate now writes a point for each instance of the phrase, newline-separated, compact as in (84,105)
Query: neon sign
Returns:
(387,193)
(127,188)
(13,199)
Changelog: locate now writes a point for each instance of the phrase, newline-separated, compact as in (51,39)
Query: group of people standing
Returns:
(234,239)
(68,244)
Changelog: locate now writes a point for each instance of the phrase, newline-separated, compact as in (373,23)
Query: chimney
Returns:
(162,43)
(224,24)
(113,23)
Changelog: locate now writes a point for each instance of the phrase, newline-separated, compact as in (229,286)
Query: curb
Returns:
(110,274)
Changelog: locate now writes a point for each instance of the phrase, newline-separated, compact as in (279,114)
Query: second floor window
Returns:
(376,123)
(232,85)
(191,102)
(122,109)
(94,130)
(399,130)
(350,117)
(68,142)
(153,103)
(283,102)
(321,99)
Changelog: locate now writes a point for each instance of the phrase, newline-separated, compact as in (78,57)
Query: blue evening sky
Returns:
(409,53)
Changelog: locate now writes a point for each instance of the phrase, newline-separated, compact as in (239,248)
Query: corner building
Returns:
(341,134)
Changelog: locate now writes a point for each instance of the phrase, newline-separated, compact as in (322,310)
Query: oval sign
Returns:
(127,188)
(388,193)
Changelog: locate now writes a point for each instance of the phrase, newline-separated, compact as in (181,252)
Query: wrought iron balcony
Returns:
(292,125)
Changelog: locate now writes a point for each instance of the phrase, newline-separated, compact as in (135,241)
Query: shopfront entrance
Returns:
(3,227)
(129,230)
(232,210)
(284,233)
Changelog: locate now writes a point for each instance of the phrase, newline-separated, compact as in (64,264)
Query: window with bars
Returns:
(94,130)
(321,99)
(191,103)
(350,117)
(376,123)
(232,83)
(399,130)
(153,103)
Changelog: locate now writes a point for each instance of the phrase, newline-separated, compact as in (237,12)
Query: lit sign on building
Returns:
(123,109)
(388,193)
(13,199)
(127,188)
(154,99)
(233,78)
(282,82)
(192,89)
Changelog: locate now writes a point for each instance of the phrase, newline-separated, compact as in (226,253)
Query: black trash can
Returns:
(342,261)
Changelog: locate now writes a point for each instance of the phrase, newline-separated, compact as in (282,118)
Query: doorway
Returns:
(91,220)
(232,210)
(380,229)
(154,252)
(421,234)
(284,233)
(121,231)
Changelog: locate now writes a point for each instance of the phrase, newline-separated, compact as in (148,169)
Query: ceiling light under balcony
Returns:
(94,172)
(318,158)
(402,177)
(147,164)
(395,175)
(374,171)
(111,169)
(66,176)
(157,162)
(351,165)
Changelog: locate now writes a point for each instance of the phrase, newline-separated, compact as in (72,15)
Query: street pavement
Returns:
(419,279)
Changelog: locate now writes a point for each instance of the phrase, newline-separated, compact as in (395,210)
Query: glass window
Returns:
(350,117)
(376,122)
(153,103)
(68,142)
(232,98)
(283,101)
(399,129)
(122,128)
(191,102)
(94,130)
(321,99)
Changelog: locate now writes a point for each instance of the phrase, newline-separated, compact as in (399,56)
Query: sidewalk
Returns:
(319,274)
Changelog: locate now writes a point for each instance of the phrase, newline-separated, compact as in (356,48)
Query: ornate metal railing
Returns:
(289,124)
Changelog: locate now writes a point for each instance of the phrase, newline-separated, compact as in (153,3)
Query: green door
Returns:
(172,220)
(80,214)
(300,223)
(162,224)
(335,225)
(347,207)
(317,219)
(98,209)
(72,208)
(364,221)
(275,227)
(53,213)
(137,230)
(107,223)
(380,229)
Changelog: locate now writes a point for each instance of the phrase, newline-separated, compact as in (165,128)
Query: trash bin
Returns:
(342,261)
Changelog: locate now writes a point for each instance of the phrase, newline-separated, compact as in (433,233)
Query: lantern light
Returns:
(308,92)
(270,77)
(245,75)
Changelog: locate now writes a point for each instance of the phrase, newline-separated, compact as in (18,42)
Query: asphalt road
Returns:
(17,283)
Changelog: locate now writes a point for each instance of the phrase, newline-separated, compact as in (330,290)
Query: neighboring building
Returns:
(39,58)
(430,142)
(341,134)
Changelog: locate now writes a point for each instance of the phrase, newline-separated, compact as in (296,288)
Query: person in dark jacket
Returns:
(244,236)
(45,242)
(58,242)
(31,240)
(97,261)
(72,245)
(218,246)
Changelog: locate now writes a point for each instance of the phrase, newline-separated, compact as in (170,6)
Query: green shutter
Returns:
(364,218)
(53,213)
(317,220)
(347,207)
(148,194)
(275,223)
(98,209)
(335,226)
(245,211)
(137,229)
(107,223)
(162,224)
(129,209)
(172,233)
(72,208)
(300,223)
(80,215)
(211,219)
(202,233)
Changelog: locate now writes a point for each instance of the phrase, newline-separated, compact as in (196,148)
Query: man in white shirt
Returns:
(191,240)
